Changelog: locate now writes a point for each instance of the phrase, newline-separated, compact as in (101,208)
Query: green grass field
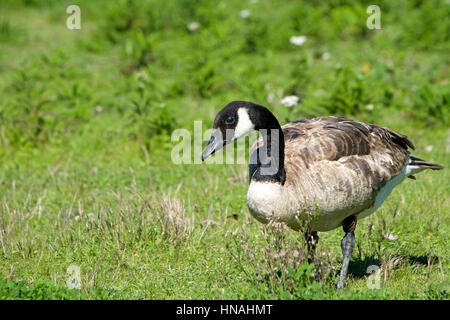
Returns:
(86,117)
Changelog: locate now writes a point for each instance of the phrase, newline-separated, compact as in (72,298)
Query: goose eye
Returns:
(229,120)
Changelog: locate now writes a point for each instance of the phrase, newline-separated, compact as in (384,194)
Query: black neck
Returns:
(270,166)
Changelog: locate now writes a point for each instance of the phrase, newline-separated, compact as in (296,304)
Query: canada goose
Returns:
(335,168)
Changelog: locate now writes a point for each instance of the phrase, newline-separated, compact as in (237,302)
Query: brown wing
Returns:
(347,141)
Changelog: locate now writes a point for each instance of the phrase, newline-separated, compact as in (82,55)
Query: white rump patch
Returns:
(244,125)
(384,192)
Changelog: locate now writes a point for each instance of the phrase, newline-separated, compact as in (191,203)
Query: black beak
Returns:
(214,144)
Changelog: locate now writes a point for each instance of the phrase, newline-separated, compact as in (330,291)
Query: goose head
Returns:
(231,123)
(235,120)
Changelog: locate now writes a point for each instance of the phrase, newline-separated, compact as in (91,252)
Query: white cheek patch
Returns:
(244,125)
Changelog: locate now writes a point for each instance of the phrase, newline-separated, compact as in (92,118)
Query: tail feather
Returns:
(423,164)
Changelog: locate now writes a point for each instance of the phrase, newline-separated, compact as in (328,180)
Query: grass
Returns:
(86,118)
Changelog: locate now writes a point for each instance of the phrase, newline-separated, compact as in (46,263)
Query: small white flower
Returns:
(369,107)
(290,101)
(245,14)
(429,148)
(326,56)
(391,237)
(193,26)
(298,40)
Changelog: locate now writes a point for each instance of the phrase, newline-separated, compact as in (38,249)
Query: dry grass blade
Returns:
(238,176)
(172,219)
(278,258)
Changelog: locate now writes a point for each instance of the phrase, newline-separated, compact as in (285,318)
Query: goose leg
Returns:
(312,238)
(347,244)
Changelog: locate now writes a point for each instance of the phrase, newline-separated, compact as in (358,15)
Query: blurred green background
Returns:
(86,118)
